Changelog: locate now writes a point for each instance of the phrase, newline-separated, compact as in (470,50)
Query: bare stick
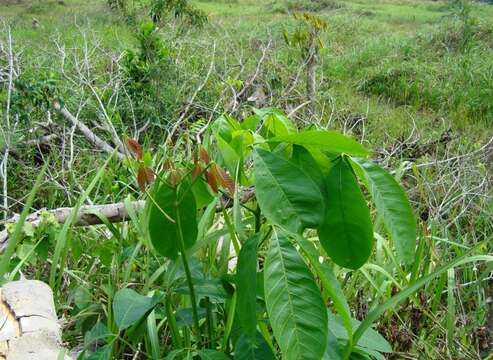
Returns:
(116,212)
(93,138)
(92,214)
(6,131)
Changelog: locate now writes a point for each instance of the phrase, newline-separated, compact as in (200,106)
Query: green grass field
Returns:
(412,80)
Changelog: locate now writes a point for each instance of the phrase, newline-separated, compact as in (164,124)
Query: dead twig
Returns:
(93,138)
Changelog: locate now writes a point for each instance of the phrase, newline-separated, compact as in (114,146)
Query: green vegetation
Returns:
(299,179)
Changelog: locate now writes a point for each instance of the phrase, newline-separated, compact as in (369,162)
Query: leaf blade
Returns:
(287,196)
(296,309)
(331,141)
(347,232)
(391,202)
(129,307)
(247,283)
(165,206)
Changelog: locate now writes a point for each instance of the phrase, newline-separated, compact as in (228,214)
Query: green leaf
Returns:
(330,141)
(202,193)
(274,122)
(97,333)
(246,306)
(370,339)
(255,348)
(329,282)
(228,154)
(305,161)
(129,307)
(173,354)
(184,317)
(391,202)
(346,233)
(295,306)
(334,349)
(287,196)
(224,126)
(178,205)
(103,353)
(212,355)
(82,297)
(212,288)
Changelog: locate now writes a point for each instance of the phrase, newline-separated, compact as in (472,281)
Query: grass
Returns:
(396,75)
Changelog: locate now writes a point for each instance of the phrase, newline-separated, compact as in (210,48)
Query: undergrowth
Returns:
(413,82)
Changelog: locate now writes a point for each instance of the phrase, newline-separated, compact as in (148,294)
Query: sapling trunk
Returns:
(311,77)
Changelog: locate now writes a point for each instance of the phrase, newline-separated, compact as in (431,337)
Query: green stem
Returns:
(189,277)
(231,230)
(258,220)
(210,325)
(175,333)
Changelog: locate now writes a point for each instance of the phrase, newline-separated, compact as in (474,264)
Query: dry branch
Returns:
(93,214)
(93,138)
(116,212)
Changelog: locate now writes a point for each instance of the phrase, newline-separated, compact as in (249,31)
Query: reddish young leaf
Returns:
(210,176)
(225,180)
(197,169)
(145,176)
(173,178)
(135,148)
(204,156)
(142,178)
(149,175)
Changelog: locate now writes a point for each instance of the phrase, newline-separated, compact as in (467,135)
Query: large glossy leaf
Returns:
(305,161)
(329,282)
(246,305)
(287,196)
(325,140)
(295,306)
(346,233)
(129,307)
(168,208)
(391,202)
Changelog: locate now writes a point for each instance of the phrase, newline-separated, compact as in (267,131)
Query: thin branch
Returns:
(93,138)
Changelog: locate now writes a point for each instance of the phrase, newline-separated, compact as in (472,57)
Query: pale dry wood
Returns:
(116,212)
(92,214)
(93,138)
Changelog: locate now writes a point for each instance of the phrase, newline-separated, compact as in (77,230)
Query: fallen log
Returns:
(116,212)
(92,214)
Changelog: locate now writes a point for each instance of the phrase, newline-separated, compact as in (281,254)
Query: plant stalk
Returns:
(189,278)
